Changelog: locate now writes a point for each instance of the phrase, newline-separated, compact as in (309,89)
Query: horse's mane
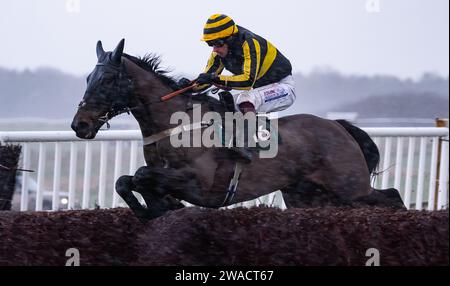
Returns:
(151,63)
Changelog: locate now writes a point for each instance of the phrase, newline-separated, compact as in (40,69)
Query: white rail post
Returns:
(421,174)
(133,159)
(117,170)
(56,177)
(433,174)
(398,164)
(72,174)
(443,178)
(41,177)
(102,174)
(87,175)
(409,172)
(26,166)
(442,190)
(376,182)
(386,162)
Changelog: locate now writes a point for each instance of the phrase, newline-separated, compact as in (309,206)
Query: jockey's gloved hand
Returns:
(207,78)
(183,82)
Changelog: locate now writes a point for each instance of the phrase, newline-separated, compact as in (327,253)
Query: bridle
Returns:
(124,87)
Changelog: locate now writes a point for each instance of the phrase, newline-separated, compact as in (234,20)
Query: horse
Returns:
(317,158)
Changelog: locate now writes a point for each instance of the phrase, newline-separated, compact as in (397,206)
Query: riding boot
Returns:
(244,153)
(226,98)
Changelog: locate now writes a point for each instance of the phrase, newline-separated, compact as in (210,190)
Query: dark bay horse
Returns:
(317,156)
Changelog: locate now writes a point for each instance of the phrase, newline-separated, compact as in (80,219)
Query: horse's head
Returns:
(107,93)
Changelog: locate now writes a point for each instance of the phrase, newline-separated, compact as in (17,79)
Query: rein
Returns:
(180,91)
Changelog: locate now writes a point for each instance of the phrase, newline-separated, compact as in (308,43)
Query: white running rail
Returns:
(72,173)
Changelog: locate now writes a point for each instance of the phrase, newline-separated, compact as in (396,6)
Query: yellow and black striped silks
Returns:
(253,61)
(219,26)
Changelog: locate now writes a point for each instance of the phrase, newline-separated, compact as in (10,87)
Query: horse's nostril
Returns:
(82,125)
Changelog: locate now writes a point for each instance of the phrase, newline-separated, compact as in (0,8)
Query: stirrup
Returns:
(232,188)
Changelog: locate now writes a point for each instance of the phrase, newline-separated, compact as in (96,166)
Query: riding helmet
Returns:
(218,26)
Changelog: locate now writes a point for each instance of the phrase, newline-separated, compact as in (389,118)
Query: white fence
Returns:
(87,170)
(423,183)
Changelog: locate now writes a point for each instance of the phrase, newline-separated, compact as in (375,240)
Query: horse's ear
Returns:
(117,53)
(100,51)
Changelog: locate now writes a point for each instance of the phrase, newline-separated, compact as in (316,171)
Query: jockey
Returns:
(262,73)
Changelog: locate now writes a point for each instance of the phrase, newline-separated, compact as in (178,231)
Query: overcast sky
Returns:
(396,37)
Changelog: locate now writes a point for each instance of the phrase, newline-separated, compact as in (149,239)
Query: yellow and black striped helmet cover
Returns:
(218,26)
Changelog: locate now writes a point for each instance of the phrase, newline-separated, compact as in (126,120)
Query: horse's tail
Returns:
(368,147)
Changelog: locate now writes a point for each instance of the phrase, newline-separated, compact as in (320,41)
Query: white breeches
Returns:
(269,98)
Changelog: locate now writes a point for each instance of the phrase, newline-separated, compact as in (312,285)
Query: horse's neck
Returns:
(152,115)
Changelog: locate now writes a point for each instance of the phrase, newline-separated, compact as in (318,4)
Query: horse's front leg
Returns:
(180,184)
(157,205)
(124,187)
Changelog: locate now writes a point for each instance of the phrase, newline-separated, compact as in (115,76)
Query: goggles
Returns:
(217,43)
